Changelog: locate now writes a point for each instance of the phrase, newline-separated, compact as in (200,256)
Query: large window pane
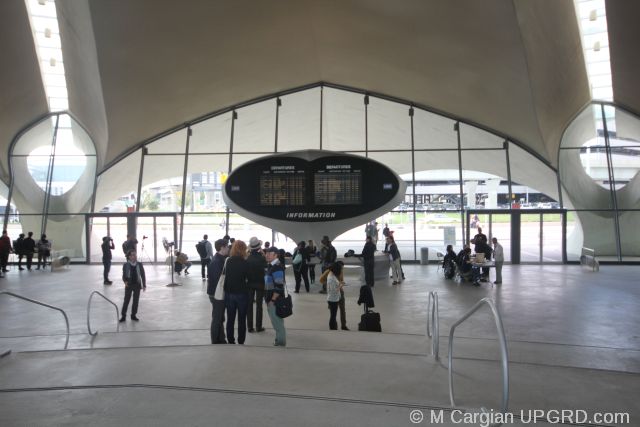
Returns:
(532,180)
(433,131)
(299,121)
(437,180)
(206,174)
(211,136)
(552,237)
(530,238)
(255,128)
(629,235)
(624,140)
(436,230)
(162,183)
(118,185)
(484,173)
(72,184)
(173,143)
(67,236)
(197,225)
(398,161)
(595,230)
(240,159)
(472,137)
(389,125)
(243,229)
(343,120)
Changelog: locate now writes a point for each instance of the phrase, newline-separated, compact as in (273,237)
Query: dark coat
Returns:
(257,265)
(366,296)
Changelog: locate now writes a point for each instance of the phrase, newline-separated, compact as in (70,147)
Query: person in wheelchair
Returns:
(182,263)
(449,263)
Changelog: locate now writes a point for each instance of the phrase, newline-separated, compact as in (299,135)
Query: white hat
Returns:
(254,243)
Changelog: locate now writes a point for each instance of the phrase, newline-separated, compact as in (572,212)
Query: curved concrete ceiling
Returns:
(511,65)
(22,98)
(624,38)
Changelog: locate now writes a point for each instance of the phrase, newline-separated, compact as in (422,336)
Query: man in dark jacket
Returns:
(328,255)
(217,306)
(301,269)
(134,280)
(107,246)
(18,248)
(5,250)
(368,252)
(257,264)
(29,248)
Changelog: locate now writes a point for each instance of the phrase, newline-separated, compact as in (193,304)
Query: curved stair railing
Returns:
(433,318)
(503,350)
(93,334)
(66,319)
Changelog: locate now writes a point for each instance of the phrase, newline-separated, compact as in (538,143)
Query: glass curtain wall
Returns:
(53,168)
(599,161)
(449,166)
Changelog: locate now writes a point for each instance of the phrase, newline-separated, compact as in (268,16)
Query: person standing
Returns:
(385,231)
(18,248)
(341,301)
(301,269)
(236,291)
(334,288)
(134,280)
(482,247)
(5,250)
(130,244)
(217,306)
(274,289)
(29,247)
(368,252)
(107,246)
(328,256)
(206,256)
(257,265)
(44,251)
(394,257)
(311,248)
(498,256)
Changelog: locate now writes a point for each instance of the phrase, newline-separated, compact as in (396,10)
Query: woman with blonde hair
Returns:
(236,291)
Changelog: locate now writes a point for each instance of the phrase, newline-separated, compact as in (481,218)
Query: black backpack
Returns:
(202,249)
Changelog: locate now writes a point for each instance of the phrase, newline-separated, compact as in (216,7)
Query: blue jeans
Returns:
(236,303)
(278,325)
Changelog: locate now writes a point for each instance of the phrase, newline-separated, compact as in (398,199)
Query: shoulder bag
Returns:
(219,294)
(284,305)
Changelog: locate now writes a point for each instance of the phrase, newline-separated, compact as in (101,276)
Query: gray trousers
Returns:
(217,321)
(499,271)
(278,325)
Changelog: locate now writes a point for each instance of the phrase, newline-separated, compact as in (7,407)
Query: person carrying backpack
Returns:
(328,255)
(205,251)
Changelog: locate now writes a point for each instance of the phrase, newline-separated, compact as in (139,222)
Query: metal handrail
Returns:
(93,334)
(433,317)
(503,351)
(66,319)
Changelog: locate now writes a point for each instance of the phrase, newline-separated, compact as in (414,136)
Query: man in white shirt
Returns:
(498,256)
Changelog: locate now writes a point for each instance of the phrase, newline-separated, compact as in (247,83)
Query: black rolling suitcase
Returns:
(369,321)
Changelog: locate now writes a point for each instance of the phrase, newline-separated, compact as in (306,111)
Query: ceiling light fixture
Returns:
(52,62)
(47,33)
(593,15)
(596,46)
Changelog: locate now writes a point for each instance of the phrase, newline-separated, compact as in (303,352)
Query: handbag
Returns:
(219,293)
(284,305)
(297,259)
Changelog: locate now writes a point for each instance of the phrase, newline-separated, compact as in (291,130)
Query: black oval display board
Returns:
(328,188)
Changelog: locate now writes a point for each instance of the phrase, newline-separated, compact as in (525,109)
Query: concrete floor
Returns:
(573,344)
